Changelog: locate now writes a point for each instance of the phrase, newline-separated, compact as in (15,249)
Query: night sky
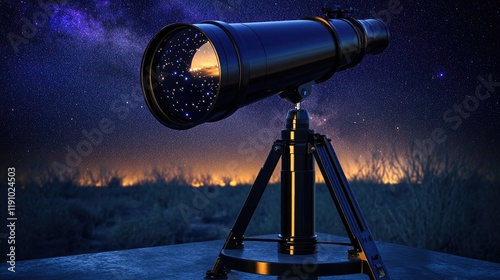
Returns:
(75,70)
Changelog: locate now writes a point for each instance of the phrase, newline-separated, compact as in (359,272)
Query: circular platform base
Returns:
(263,258)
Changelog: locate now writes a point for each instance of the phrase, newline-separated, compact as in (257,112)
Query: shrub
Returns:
(440,203)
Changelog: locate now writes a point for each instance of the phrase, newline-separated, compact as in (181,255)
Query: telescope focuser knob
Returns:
(337,11)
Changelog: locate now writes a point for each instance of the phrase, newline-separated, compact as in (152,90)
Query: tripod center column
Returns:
(298,236)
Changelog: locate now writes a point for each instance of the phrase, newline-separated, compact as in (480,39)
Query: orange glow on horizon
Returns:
(200,180)
(232,172)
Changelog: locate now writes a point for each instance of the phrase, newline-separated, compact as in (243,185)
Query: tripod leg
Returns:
(235,237)
(347,206)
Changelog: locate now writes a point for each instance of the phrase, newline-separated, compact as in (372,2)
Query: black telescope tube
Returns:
(204,72)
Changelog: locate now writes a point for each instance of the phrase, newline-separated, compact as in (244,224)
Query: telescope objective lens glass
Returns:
(187,69)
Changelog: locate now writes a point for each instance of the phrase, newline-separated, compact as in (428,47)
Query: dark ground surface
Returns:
(190,261)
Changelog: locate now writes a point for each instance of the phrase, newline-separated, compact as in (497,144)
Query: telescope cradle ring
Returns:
(336,43)
(358,27)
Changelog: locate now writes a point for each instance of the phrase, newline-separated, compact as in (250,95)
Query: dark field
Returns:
(454,211)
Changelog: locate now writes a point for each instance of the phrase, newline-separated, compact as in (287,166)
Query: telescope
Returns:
(197,73)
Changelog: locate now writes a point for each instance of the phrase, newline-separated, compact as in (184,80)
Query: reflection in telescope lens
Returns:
(187,70)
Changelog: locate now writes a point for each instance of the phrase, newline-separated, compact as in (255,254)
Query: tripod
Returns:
(297,242)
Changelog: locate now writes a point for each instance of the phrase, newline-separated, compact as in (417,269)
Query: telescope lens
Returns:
(187,71)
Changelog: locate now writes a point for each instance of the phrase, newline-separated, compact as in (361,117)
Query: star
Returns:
(90,54)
